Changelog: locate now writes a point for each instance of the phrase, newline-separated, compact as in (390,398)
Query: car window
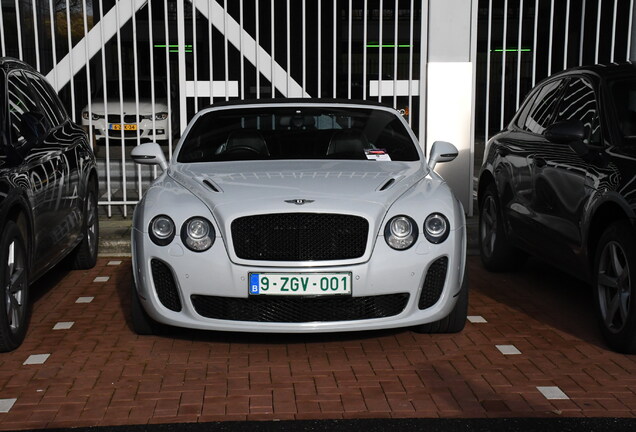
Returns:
(22,109)
(49,101)
(623,96)
(579,103)
(521,118)
(298,133)
(542,109)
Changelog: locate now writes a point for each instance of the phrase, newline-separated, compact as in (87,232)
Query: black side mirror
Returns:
(570,132)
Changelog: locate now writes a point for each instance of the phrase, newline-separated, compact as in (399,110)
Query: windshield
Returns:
(623,94)
(298,133)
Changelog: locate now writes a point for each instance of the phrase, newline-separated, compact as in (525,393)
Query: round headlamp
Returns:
(161,230)
(436,228)
(161,116)
(197,234)
(400,232)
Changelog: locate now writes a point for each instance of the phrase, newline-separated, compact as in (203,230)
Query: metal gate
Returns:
(137,70)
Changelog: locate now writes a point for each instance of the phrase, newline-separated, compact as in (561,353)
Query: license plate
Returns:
(127,127)
(300,284)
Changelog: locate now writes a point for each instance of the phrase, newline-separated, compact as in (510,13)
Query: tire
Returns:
(142,323)
(614,286)
(84,256)
(14,311)
(456,320)
(496,251)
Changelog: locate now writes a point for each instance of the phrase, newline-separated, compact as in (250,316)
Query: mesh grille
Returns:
(300,237)
(116,118)
(298,309)
(165,286)
(433,283)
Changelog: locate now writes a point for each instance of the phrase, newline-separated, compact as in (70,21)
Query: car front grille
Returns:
(300,237)
(433,283)
(165,285)
(130,118)
(299,309)
(127,133)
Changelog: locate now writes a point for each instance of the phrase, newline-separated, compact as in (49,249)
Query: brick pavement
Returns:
(100,373)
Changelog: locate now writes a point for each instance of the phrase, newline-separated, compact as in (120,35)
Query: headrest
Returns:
(244,139)
(349,143)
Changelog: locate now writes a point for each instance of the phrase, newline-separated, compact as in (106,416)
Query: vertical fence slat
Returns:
(395,54)
(364,49)
(18,21)
(350,32)
(534,46)
(380,42)
(412,64)
(70,63)
(613,32)
(210,51)
(257,46)
(195,60)
(567,34)
(273,48)
(88,75)
(121,107)
(36,36)
(582,32)
(319,62)
(288,47)
(168,77)
(304,43)
(551,37)
(488,57)
(598,30)
(423,75)
(630,30)
(335,48)
(519,36)
(4,35)
(226,52)
(107,142)
(503,65)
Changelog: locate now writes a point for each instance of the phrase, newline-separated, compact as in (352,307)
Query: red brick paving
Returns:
(101,373)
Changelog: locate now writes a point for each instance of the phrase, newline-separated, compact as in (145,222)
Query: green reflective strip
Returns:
(388,46)
(511,50)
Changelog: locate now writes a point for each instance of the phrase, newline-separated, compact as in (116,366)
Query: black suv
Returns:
(48,192)
(560,183)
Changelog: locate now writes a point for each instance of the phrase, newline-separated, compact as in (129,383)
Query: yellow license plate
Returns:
(127,127)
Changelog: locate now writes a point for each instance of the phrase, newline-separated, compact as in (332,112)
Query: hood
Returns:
(129,106)
(235,189)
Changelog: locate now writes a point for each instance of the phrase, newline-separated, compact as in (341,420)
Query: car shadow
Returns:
(124,285)
(542,293)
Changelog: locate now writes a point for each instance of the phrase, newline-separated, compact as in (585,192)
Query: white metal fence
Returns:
(181,55)
(120,65)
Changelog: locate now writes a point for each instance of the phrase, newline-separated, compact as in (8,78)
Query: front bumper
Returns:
(212,275)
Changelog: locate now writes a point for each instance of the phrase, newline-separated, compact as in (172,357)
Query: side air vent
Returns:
(211,185)
(387,185)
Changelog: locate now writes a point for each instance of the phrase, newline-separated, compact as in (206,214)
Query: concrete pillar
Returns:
(450,85)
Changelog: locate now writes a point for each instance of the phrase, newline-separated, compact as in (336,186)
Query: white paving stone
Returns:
(101,279)
(6,405)
(63,325)
(508,349)
(36,359)
(114,263)
(477,319)
(84,299)
(553,393)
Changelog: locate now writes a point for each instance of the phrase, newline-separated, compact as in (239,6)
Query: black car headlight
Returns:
(401,232)
(161,230)
(436,228)
(197,234)
(161,116)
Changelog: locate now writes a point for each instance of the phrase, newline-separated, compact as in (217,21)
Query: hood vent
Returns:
(211,185)
(386,185)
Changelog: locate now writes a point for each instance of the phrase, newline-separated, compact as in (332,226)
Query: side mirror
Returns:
(441,151)
(571,132)
(149,154)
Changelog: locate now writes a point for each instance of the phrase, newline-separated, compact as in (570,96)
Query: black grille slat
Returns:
(433,283)
(128,118)
(299,309)
(300,237)
(165,285)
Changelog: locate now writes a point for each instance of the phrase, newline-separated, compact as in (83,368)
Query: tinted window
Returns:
(523,112)
(623,96)
(298,133)
(22,107)
(542,109)
(49,101)
(579,103)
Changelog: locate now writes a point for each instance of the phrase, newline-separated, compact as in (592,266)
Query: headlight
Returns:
(161,116)
(197,234)
(401,232)
(85,115)
(436,228)
(93,116)
(161,230)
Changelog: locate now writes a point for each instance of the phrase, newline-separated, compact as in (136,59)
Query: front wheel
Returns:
(85,254)
(495,249)
(614,282)
(15,288)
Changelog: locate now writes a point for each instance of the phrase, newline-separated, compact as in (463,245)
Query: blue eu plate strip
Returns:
(254,286)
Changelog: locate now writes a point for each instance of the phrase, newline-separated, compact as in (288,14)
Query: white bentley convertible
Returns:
(298,216)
